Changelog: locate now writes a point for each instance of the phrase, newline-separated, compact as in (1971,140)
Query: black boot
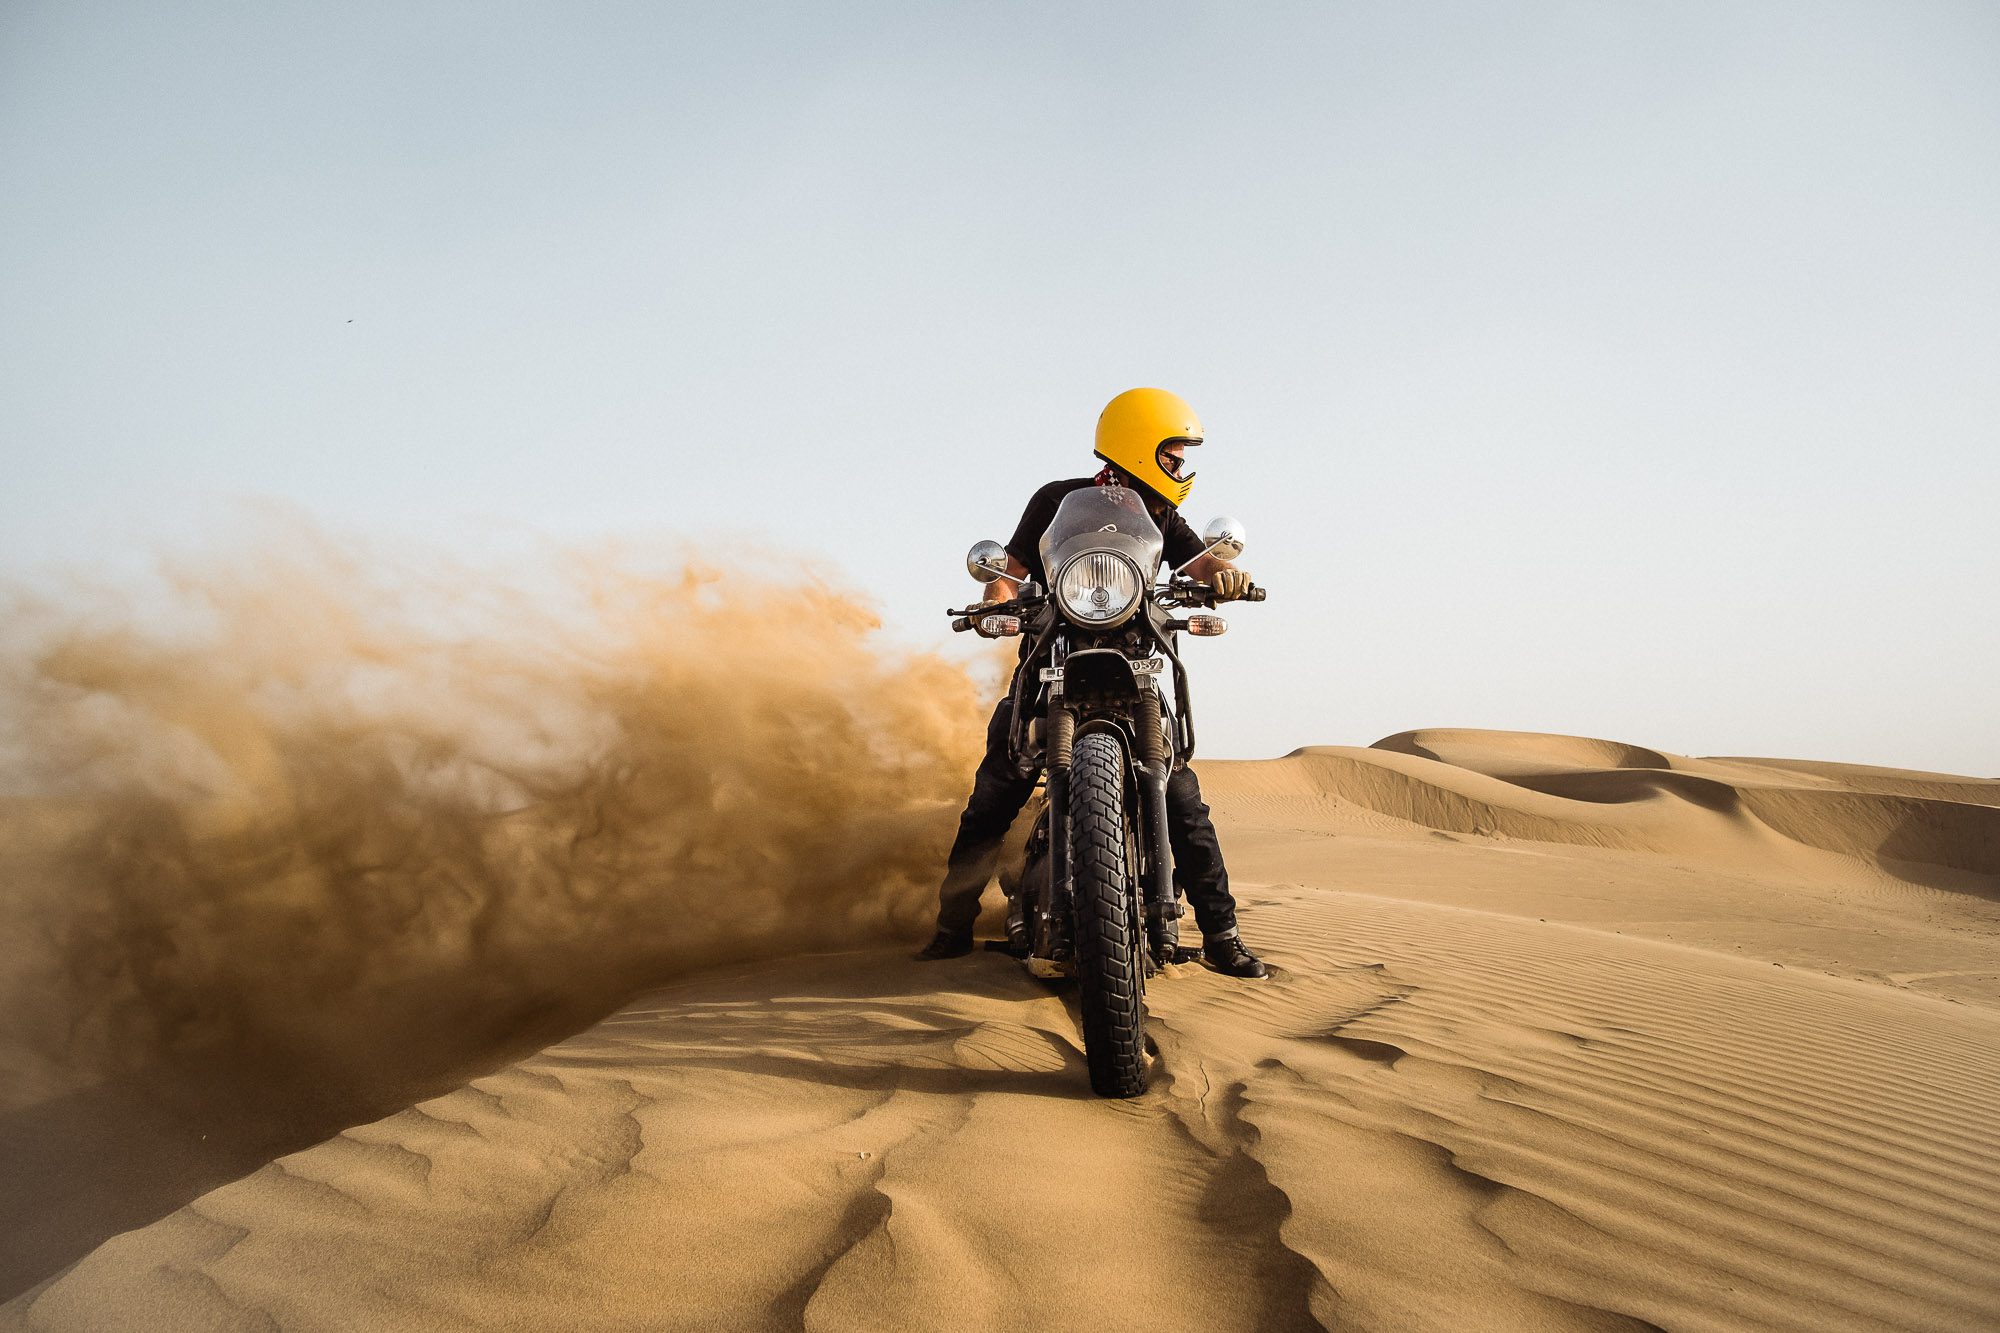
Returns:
(947,944)
(1226,954)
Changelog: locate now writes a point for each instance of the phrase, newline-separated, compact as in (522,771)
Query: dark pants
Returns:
(998,795)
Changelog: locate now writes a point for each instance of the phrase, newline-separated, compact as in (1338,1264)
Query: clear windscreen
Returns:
(1110,516)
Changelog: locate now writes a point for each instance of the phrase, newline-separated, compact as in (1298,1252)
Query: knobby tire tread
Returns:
(1110,953)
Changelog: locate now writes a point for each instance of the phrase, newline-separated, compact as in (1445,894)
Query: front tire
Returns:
(1108,947)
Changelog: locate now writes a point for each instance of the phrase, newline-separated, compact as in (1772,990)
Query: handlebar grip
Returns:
(962,624)
(1203,594)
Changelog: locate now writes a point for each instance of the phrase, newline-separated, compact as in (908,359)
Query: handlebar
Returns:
(1187,592)
(967,617)
(1181,592)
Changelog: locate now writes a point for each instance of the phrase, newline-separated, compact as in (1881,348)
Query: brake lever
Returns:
(968,617)
(1203,594)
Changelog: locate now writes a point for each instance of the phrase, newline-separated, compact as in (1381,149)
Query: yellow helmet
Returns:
(1133,429)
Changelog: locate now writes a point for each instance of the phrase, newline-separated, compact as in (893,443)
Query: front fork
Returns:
(1163,908)
(1163,902)
(1062,739)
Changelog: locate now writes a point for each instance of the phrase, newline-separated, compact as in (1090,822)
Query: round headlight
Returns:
(1098,588)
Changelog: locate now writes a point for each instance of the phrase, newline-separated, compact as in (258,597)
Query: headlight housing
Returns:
(1099,589)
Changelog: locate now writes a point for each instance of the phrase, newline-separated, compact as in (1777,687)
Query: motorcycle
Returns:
(1096,899)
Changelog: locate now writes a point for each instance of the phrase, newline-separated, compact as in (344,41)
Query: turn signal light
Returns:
(1001,627)
(1207,626)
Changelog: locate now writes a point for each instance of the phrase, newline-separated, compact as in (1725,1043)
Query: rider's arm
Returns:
(1005,589)
(1204,567)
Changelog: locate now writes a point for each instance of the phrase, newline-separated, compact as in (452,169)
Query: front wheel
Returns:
(1108,947)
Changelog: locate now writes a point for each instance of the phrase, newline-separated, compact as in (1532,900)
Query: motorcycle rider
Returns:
(1142,438)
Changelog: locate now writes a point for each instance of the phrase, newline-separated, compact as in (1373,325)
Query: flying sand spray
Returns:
(315,818)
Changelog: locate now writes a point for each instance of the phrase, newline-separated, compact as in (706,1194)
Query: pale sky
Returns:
(1628,370)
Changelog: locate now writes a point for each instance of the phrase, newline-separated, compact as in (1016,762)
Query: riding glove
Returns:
(1230,584)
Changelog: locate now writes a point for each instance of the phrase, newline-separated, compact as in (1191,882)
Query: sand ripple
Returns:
(1565,1035)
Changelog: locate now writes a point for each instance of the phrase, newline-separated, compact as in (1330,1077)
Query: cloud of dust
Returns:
(334,819)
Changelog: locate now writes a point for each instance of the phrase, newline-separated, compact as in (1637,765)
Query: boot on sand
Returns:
(1226,954)
(947,944)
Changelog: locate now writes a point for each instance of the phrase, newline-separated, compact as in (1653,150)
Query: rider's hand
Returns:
(1230,584)
(984,614)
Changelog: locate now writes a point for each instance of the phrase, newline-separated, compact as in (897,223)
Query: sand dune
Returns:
(1571,789)
(1565,1034)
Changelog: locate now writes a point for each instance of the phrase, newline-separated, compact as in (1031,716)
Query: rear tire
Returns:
(1108,945)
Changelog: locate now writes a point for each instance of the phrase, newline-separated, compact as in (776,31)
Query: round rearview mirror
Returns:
(1224,538)
(986,561)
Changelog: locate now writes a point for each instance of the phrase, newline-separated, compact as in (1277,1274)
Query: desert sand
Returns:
(1563,1033)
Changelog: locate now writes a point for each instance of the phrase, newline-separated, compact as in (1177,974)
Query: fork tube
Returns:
(1062,736)
(1163,908)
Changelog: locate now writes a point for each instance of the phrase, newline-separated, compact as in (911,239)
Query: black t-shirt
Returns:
(1182,545)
